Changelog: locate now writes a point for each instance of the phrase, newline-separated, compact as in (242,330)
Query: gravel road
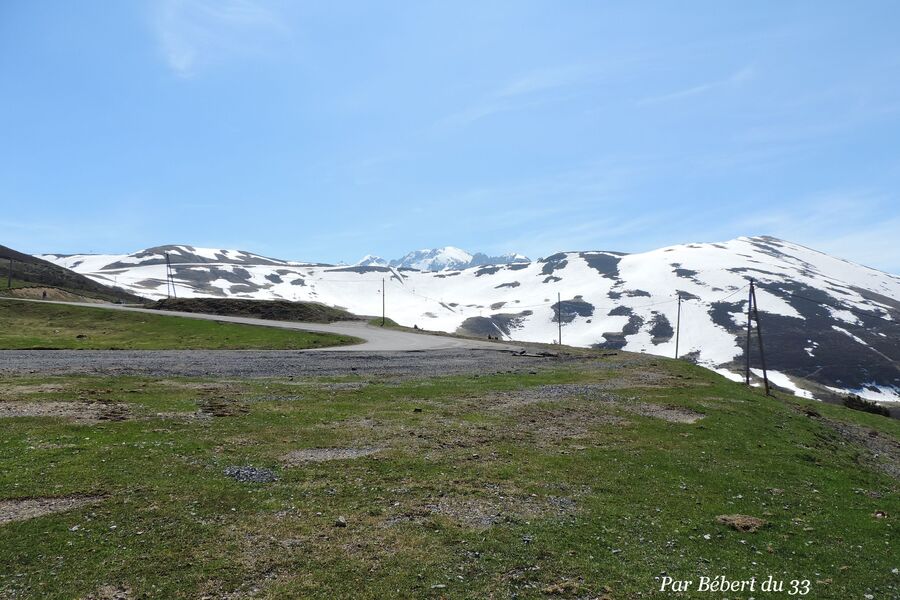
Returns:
(377,339)
(266,363)
(384,352)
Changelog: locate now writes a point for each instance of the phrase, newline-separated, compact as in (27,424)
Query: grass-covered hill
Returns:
(593,477)
(31,272)
(277,310)
(38,325)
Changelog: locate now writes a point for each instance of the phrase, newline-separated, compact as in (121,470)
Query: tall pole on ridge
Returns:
(9,275)
(382,301)
(747,349)
(559,315)
(678,325)
(762,356)
(170,279)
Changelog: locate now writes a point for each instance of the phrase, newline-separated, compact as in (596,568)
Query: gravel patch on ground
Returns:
(250,474)
(341,386)
(38,388)
(673,414)
(82,412)
(553,392)
(880,451)
(29,508)
(314,455)
(482,512)
(110,592)
(269,363)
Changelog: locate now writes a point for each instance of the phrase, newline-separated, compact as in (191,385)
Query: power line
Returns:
(823,303)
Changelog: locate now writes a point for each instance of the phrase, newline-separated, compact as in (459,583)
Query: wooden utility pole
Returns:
(747,349)
(762,356)
(753,314)
(678,325)
(559,315)
(382,301)
(170,279)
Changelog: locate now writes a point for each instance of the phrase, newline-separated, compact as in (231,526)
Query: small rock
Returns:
(340,522)
(417,410)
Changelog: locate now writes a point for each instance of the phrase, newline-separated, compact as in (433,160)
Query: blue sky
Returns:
(328,130)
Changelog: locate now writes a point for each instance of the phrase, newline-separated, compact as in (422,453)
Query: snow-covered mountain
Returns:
(370,260)
(441,259)
(438,259)
(828,324)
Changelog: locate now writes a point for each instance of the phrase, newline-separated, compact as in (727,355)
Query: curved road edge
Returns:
(376,339)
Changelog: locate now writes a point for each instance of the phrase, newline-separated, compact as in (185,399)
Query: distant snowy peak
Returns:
(438,259)
(479,259)
(452,258)
(370,260)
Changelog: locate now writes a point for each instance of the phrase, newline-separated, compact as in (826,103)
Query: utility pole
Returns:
(559,315)
(382,301)
(762,356)
(747,349)
(9,275)
(678,325)
(753,314)
(170,279)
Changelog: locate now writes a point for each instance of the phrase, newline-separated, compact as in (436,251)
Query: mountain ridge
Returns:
(831,326)
(441,259)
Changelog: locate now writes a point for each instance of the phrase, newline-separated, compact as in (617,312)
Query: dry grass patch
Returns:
(880,451)
(81,412)
(30,508)
(111,592)
(483,508)
(37,388)
(744,523)
(672,414)
(315,455)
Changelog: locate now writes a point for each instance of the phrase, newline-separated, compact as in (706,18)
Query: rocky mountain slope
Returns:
(830,326)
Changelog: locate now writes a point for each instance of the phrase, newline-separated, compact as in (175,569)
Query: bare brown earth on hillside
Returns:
(37,293)
(29,508)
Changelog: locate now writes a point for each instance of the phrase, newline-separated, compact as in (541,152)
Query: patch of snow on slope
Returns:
(784,381)
(845,332)
(873,392)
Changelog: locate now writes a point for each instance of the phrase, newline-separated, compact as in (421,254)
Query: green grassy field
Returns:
(584,480)
(278,310)
(28,325)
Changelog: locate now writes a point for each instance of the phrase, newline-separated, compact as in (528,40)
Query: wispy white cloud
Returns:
(735,79)
(541,80)
(192,33)
(521,93)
